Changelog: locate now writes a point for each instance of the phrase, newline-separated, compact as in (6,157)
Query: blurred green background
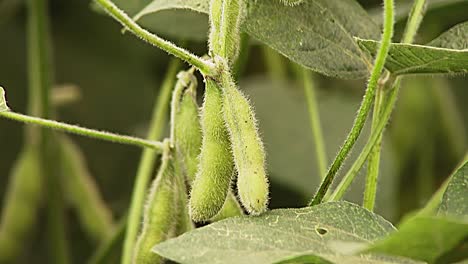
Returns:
(118,76)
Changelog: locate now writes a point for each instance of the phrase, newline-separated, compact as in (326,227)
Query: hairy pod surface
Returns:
(159,221)
(82,191)
(188,134)
(21,204)
(188,140)
(247,147)
(226,17)
(215,170)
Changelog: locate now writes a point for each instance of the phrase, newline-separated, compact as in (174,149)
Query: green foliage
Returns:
(328,230)
(446,54)
(209,147)
(455,200)
(424,238)
(413,59)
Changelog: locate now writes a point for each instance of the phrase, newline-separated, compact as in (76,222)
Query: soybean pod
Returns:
(160,213)
(213,179)
(21,204)
(188,132)
(247,147)
(187,139)
(83,192)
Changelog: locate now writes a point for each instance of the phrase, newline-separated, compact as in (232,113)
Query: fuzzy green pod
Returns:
(83,193)
(187,141)
(188,134)
(247,147)
(225,17)
(21,204)
(211,184)
(159,220)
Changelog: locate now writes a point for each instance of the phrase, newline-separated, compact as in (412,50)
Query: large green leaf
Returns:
(315,33)
(279,234)
(312,34)
(447,54)
(455,199)
(424,238)
(414,59)
(3,103)
(454,38)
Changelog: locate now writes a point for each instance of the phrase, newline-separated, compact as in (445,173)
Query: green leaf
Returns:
(315,33)
(455,199)
(424,238)
(413,59)
(447,54)
(312,34)
(278,234)
(3,102)
(454,38)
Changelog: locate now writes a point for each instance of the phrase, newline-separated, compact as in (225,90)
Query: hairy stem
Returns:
(414,20)
(146,165)
(374,159)
(365,106)
(107,136)
(205,67)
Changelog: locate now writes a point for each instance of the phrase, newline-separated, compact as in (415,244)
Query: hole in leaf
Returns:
(321,231)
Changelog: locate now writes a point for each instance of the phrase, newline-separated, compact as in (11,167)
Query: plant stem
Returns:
(414,20)
(374,159)
(40,83)
(373,139)
(205,67)
(365,106)
(107,136)
(146,165)
(314,118)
